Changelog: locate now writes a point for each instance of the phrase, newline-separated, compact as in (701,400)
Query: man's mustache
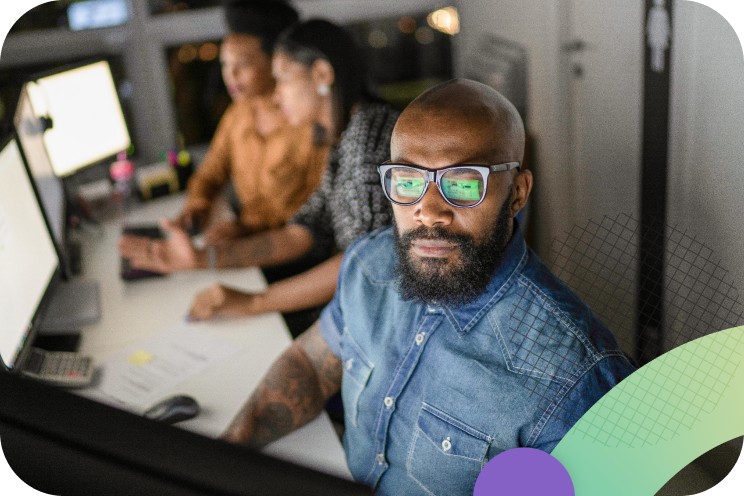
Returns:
(423,232)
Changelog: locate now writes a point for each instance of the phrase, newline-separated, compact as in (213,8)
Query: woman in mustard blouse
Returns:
(273,166)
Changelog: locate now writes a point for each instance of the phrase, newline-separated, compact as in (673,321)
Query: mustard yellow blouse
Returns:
(273,175)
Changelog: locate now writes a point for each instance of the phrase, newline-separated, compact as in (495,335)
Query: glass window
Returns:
(74,14)
(168,6)
(93,14)
(199,94)
(405,55)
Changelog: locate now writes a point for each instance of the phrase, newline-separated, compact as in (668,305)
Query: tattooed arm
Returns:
(292,393)
(272,247)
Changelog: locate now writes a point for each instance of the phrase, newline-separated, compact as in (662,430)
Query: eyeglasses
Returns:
(462,186)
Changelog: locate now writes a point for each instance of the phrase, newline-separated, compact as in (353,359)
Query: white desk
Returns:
(135,311)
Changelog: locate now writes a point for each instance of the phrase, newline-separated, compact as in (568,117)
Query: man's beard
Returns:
(429,279)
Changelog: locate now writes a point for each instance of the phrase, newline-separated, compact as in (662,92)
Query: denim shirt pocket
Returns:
(445,452)
(357,369)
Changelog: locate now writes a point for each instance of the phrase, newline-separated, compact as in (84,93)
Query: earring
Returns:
(324,90)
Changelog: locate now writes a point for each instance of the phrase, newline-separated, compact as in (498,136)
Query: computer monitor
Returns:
(29,131)
(75,302)
(82,117)
(61,443)
(29,263)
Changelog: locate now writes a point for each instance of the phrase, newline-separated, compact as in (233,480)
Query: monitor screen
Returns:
(50,187)
(28,260)
(87,122)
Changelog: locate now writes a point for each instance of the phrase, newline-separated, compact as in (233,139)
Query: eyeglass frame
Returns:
(435,176)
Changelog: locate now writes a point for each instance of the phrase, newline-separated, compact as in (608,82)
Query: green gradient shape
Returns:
(659,419)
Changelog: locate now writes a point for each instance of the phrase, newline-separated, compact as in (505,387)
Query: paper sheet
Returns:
(147,372)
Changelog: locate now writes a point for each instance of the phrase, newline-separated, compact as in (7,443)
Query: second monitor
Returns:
(82,119)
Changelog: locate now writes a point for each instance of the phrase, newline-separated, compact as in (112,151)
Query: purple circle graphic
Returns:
(524,472)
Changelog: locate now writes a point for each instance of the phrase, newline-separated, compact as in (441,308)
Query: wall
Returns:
(707,137)
(536,25)
(706,174)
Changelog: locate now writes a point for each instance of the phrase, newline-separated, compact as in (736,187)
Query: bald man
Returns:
(449,339)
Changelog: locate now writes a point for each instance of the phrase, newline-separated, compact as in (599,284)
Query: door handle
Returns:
(574,46)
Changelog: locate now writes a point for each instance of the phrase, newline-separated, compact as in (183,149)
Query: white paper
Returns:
(147,372)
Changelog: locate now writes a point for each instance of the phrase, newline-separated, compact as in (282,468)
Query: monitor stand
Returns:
(74,304)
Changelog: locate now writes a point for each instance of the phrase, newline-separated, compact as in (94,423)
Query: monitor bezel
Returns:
(33,78)
(59,245)
(62,443)
(55,279)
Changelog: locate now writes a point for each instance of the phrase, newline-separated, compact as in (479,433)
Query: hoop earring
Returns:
(323,90)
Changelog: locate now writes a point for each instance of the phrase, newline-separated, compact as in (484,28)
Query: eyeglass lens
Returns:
(462,187)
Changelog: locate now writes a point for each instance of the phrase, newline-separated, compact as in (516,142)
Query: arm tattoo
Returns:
(275,420)
(288,397)
(295,387)
(327,365)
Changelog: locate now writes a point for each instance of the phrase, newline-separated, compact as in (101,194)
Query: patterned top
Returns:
(349,202)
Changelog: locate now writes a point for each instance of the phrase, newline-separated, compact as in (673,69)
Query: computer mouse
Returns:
(173,409)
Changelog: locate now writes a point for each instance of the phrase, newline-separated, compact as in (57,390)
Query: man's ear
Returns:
(322,73)
(522,185)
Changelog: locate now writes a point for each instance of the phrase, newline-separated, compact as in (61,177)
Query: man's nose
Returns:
(432,210)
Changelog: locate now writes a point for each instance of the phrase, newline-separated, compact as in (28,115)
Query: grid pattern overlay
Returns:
(670,397)
(599,261)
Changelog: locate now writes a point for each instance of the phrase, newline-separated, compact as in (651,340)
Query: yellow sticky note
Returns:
(140,357)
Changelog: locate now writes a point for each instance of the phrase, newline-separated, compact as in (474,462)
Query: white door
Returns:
(603,49)
(603,62)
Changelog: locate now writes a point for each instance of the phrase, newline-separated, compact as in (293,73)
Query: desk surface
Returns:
(135,311)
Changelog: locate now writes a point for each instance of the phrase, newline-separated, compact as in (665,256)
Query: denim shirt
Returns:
(432,392)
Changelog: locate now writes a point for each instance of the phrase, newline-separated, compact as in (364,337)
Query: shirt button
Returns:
(380,458)
(420,338)
(446,444)
(430,309)
(388,401)
(349,363)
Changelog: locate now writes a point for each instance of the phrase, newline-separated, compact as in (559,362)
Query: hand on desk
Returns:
(221,301)
(161,255)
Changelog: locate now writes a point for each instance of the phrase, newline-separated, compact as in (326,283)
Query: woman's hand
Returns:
(173,254)
(222,301)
